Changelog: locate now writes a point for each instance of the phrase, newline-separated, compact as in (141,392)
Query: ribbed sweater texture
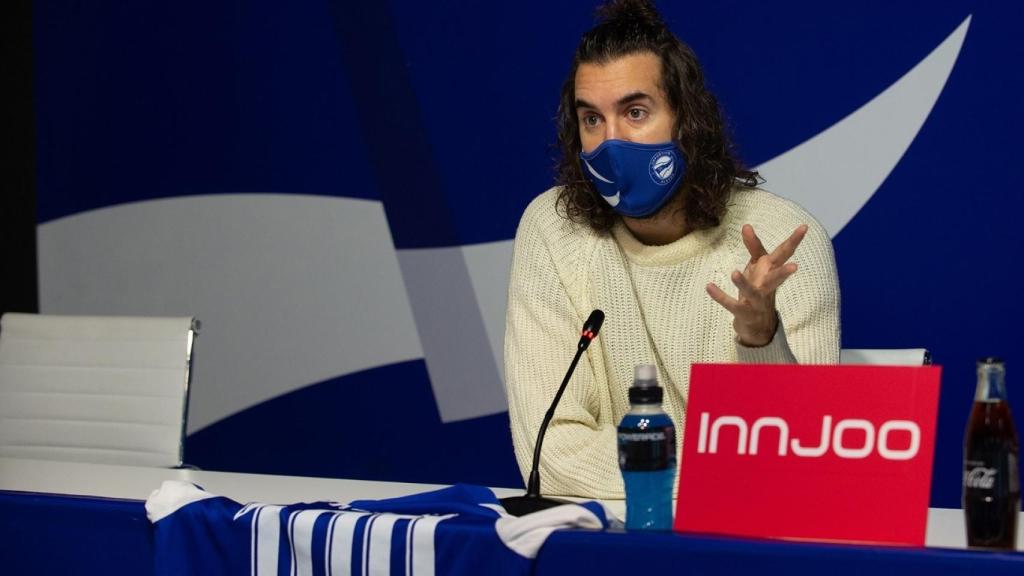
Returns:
(657,312)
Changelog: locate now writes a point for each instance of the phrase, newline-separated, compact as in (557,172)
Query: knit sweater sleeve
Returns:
(808,301)
(544,316)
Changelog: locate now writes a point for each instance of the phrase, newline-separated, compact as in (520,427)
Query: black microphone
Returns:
(532,501)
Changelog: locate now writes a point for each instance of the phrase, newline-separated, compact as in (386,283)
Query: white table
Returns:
(136,483)
(945,526)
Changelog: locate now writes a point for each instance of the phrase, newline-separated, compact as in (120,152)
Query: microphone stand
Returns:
(532,501)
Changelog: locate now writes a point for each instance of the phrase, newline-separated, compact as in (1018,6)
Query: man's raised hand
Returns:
(754,317)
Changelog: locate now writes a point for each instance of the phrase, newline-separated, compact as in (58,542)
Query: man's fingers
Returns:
(752,242)
(742,284)
(780,275)
(783,252)
(768,284)
(727,302)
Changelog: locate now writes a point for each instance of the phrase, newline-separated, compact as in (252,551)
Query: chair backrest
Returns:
(878,357)
(101,389)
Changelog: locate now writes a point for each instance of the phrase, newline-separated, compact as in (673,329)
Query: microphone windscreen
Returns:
(593,323)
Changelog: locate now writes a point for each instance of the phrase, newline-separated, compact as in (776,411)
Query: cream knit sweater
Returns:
(657,311)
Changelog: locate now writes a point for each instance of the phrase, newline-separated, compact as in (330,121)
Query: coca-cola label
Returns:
(980,477)
(809,452)
(997,474)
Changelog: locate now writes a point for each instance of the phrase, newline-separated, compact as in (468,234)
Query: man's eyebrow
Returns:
(633,97)
(584,104)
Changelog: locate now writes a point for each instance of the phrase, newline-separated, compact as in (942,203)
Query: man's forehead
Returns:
(624,78)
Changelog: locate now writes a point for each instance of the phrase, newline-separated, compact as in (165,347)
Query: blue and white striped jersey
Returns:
(457,530)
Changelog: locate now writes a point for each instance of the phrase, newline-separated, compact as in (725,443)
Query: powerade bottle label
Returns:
(645,448)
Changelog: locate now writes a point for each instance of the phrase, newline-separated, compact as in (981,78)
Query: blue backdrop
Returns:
(440,118)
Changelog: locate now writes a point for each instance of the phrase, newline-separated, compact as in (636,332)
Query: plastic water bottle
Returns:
(647,454)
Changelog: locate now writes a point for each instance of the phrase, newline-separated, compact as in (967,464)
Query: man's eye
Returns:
(590,120)
(637,113)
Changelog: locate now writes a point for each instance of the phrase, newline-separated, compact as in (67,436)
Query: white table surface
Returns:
(945,525)
(136,483)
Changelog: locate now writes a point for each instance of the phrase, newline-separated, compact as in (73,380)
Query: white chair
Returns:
(894,357)
(110,390)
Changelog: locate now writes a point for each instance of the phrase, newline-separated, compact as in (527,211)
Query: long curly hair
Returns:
(627,27)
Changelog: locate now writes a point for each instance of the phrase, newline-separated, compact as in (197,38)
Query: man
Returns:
(656,223)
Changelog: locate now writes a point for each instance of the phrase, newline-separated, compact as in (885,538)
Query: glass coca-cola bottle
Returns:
(991,495)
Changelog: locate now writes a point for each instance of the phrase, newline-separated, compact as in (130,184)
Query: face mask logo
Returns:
(663,166)
(613,200)
(635,179)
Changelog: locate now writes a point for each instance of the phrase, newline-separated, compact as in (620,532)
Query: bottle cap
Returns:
(645,389)
(645,373)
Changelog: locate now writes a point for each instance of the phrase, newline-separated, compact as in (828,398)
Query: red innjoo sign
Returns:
(838,453)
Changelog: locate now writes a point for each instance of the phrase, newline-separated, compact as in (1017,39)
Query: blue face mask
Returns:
(636,179)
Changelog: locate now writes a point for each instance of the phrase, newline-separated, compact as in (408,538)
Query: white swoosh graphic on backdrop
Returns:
(834,173)
(291,289)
